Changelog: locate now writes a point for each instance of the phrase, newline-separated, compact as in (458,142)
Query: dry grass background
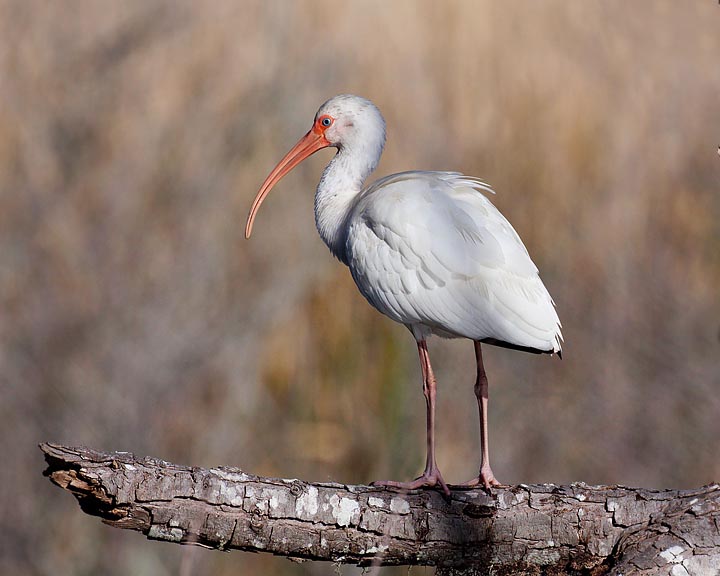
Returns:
(133,316)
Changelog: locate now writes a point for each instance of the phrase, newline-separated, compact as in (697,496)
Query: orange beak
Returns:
(313,141)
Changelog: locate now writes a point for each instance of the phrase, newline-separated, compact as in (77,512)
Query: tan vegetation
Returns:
(134,316)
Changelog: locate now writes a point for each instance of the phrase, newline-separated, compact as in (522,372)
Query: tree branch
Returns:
(531,530)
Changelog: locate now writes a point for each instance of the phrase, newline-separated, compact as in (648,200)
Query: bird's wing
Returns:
(428,248)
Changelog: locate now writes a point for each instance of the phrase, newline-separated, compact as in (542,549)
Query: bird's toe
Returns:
(430,480)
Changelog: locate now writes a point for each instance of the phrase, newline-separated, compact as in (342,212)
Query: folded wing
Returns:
(428,248)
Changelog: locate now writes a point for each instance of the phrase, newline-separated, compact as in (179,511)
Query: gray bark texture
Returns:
(521,530)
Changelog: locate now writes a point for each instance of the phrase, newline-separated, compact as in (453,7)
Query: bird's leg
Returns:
(432,472)
(486,478)
(431,476)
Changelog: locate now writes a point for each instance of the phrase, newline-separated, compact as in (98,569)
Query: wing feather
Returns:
(427,248)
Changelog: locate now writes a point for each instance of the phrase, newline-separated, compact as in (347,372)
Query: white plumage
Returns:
(427,249)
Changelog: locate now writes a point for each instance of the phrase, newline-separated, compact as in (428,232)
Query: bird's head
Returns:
(346,122)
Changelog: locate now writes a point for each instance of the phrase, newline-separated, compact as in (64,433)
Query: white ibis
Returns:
(426,249)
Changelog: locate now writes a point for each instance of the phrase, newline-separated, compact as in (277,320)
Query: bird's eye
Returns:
(326,121)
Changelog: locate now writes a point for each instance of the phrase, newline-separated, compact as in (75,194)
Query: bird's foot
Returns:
(486,479)
(429,478)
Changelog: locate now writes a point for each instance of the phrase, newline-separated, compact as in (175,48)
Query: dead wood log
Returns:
(520,530)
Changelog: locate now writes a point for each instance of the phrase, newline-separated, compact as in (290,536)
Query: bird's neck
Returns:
(336,195)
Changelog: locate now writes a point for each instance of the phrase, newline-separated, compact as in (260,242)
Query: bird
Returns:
(428,250)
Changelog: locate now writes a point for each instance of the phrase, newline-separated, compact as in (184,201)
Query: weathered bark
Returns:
(538,529)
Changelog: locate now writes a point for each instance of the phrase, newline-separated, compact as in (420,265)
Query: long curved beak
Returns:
(307,145)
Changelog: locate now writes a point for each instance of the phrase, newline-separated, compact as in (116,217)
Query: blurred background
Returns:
(134,316)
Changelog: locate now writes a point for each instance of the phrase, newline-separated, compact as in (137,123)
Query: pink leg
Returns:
(486,478)
(431,476)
